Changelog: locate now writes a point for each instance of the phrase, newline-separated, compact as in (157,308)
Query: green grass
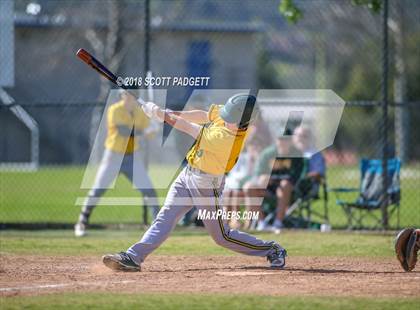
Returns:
(49,195)
(193,242)
(203,301)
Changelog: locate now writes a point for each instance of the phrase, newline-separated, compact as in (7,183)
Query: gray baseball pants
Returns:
(193,188)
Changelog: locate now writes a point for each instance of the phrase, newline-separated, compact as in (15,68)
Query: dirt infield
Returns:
(34,275)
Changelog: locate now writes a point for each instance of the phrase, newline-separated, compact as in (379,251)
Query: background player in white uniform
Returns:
(126,123)
(238,177)
(220,134)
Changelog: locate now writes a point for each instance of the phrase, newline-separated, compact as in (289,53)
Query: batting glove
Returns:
(149,108)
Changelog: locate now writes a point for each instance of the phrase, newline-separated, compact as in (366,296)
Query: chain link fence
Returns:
(50,115)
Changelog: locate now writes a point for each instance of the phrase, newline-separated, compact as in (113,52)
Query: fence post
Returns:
(146,72)
(384,127)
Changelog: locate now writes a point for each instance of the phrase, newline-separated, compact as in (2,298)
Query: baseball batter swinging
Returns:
(220,134)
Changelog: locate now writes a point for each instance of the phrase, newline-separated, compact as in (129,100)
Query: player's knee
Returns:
(263,180)
(219,240)
(286,185)
(218,237)
(251,190)
(279,192)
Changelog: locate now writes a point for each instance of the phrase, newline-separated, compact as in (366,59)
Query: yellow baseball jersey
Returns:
(217,148)
(119,116)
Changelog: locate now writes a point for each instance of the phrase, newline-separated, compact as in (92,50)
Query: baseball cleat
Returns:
(80,230)
(277,259)
(120,262)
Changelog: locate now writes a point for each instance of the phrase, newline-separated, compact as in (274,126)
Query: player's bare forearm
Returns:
(179,123)
(189,128)
(194,116)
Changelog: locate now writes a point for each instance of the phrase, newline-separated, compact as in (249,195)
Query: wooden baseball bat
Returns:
(87,58)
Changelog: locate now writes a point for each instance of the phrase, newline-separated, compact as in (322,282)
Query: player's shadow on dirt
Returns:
(321,270)
(260,268)
(196,269)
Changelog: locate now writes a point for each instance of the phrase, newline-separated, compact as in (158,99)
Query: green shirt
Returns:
(271,163)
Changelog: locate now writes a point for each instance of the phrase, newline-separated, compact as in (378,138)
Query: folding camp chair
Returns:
(307,190)
(300,213)
(371,197)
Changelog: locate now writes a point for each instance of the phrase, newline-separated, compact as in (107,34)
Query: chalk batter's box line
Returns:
(178,201)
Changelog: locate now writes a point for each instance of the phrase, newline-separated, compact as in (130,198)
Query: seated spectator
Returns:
(238,176)
(277,172)
(314,161)
(259,130)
